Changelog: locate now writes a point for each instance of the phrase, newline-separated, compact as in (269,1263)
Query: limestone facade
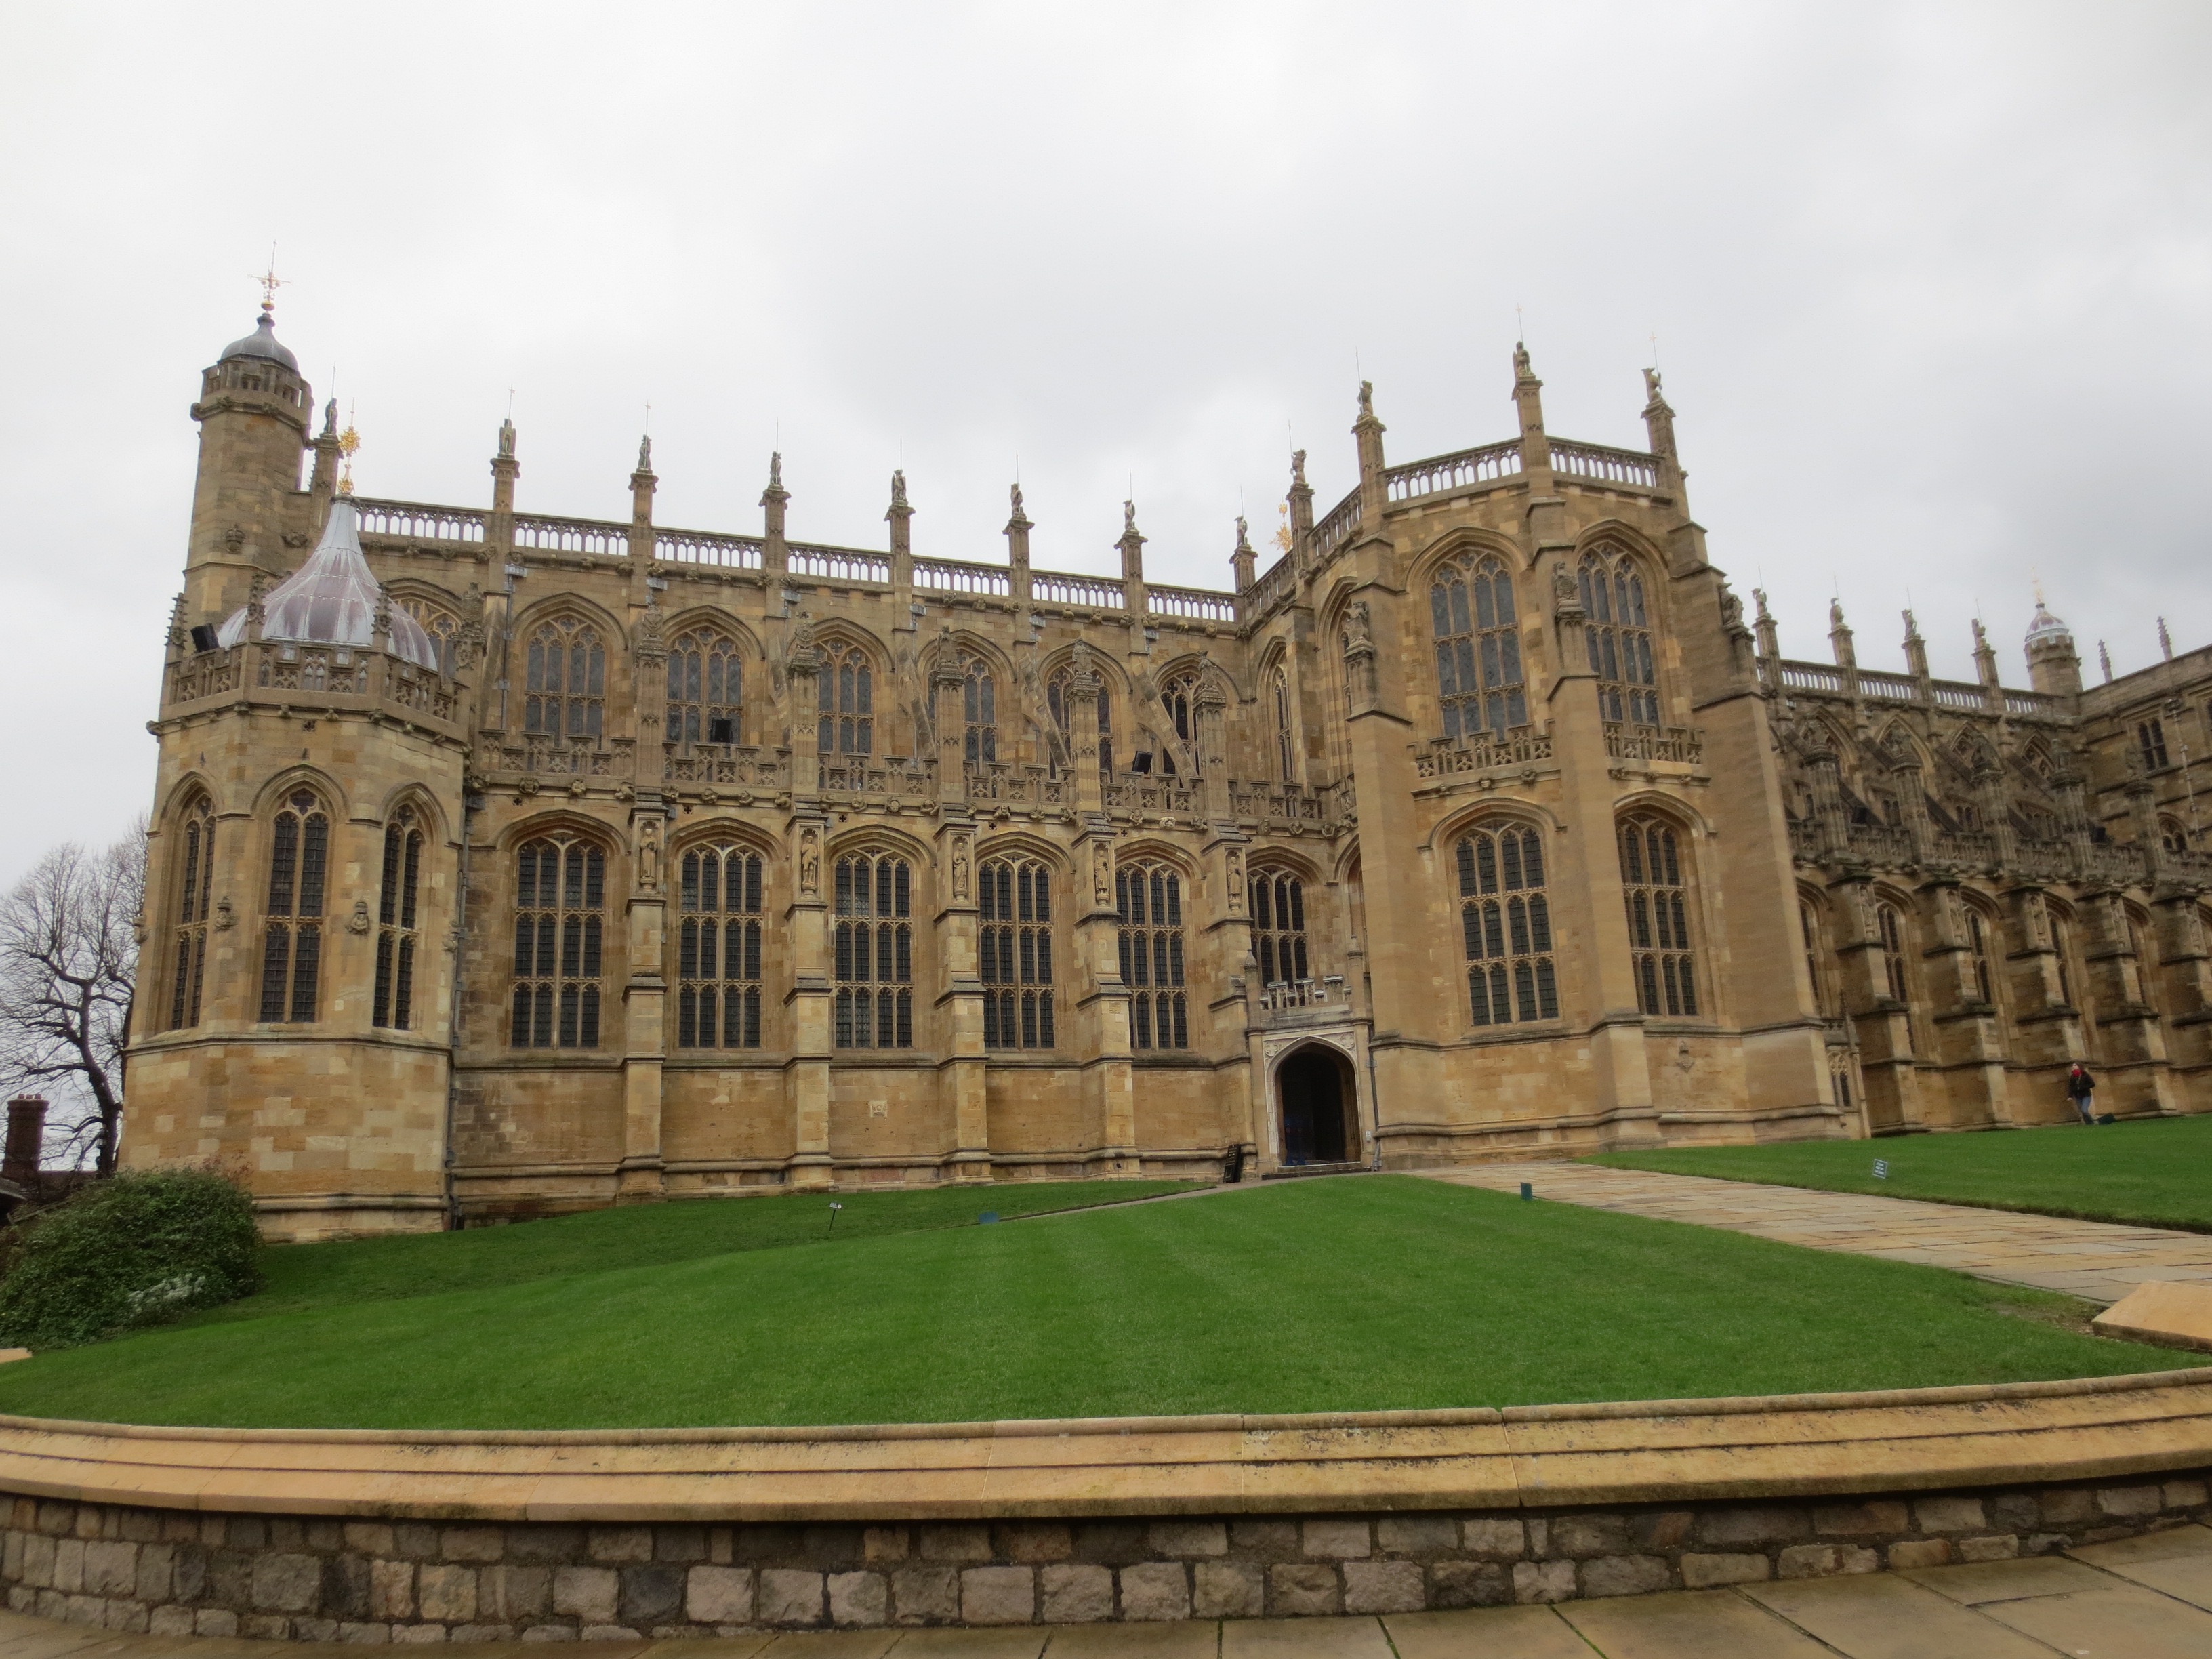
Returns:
(1479,823)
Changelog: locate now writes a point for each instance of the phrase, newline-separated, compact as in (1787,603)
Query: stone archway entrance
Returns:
(1315,1095)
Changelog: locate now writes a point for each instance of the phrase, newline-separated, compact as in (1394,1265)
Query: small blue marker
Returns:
(1527,1190)
(987,1218)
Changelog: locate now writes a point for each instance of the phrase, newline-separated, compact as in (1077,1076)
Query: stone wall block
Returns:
(230,1577)
(789,1597)
(416,1543)
(1992,1547)
(357,1633)
(1543,1581)
(134,1617)
(1188,1539)
(170,1621)
(1383,1586)
(392,1589)
(2068,1506)
(2128,1502)
(514,1595)
(1627,1575)
(2182,1495)
(587,1593)
(37,1568)
(1583,1536)
(447,1594)
(1032,1541)
(215,1621)
(472,1544)
(287,1533)
(831,1547)
(684,1544)
(1710,1571)
(1470,1584)
(1922,1552)
(651,1594)
(858,1598)
(941,1543)
(997,1595)
(883,1544)
(291,1583)
(1499,1539)
(1666,1529)
(1763,1526)
(56,1517)
(1950,1515)
(1860,1520)
(1110,1543)
(368,1537)
(1416,1535)
(1336,1541)
(1269,1539)
(926,1595)
(344,1592)
(553,1545)
(1228,1589)
(620,1544)
(1156,1590)
(138,1526)
(719,1595)
(765,1545)
(68,1565)
(191,1572)
(1296,1590)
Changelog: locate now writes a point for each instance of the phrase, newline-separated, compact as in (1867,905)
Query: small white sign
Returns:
(1882,1169)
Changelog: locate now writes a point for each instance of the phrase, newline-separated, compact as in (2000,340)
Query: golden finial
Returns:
(349,441)
(1283,537)
(270,281)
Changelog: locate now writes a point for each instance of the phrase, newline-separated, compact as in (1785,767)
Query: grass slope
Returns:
(2157,1174)
(1369,1293)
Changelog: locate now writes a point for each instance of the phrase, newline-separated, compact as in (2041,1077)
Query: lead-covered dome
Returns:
(2045,629)
(262,342)
(332,600)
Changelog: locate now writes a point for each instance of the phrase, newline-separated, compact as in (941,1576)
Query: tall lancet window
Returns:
(1151,900)
(1658,917)
(292,946)
(195,878)
(560,920)
(1505,926)
(1278,928)
(1014,910)
(1180,701)
(1278,692)
(1619,633)
(706,689)
(398,937)
(847,703)
(566,681)
(979,711)
(1060,697)
(1478,677)
(874,967)
(718,950)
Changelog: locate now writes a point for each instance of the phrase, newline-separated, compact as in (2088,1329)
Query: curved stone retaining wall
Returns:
(429,1537)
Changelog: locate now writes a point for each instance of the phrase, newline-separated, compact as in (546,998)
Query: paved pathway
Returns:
(2138,1598)
(2095,1260)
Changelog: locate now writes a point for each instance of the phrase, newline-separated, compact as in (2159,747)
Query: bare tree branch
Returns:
(69,962)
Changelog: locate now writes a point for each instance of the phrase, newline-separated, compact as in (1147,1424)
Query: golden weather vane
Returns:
(349,441)
(270,281)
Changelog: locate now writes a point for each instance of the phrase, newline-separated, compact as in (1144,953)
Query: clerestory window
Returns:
(1014,910)
(1478,677)
(1150,899)
(1618,632)
(560,920)
(398,936)
(195,900)
(292,941)
(706,689)
(1658,917)
(718,949)
(874,954)
(566,682)
(1505,926)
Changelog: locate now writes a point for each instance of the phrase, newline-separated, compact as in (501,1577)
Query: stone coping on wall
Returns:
(1523,1458)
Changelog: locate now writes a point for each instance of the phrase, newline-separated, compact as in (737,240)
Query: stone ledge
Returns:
(1801,1446)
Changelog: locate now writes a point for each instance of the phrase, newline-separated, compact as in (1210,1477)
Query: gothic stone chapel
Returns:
(505,864)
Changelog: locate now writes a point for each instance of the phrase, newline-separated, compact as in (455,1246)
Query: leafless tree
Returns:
(69,957)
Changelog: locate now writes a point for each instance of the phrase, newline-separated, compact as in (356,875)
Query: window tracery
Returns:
(1977,947)
(979,710)
(718,949)
(1618,633)
(1015,938)
(1179,699)
(1060,698)
(706,689)
(1279,926)
(1889,927)
(443,627)
(1505,926)
(1280,697)
(846,703)
(1478,677)
(1658,917)
(560,904)
(195,901)
(292,942)
(397,935)
(1149,899)
(874,955)
(566,681)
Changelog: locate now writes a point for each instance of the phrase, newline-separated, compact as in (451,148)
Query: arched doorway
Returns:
(1314,1094)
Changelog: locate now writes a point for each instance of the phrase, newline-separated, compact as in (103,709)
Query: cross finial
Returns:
(270,281)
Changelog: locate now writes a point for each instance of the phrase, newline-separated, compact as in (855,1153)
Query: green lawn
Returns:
(1374,1292)
(2158,1173)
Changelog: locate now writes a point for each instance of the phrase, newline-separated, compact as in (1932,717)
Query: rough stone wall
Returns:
(332,1579)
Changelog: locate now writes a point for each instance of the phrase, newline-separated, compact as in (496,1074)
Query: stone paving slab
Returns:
(2137,1598)
(2097,1261)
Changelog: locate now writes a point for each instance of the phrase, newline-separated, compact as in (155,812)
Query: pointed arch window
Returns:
(1505,926)
(846,703)
(1149,897)
(292,942)
(1619,634)
(706,689)
(2147,963)
(1808,930)
(2150,741)
(979,711)
(398,934)
(1889,927)
(1060,697)
(1015,938)
(2061,944)
(1658,918)
(442,626)
(1278,928)
(1478,677)
(874,967)
(560,922)
(1278,696)
(566,681)
(718,949)
(1179,699)
(195,889)
(1977,946)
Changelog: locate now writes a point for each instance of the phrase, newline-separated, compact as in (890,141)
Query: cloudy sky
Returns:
(1929,283)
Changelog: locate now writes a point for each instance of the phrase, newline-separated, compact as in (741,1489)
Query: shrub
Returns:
(134,1249)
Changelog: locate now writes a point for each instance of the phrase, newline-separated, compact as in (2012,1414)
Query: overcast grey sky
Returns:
(1930,284)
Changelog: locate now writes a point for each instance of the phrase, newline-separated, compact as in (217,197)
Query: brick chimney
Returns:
(26,1134)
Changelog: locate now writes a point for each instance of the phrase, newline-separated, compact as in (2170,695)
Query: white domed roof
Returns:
(331,600)
(2045,627)
(262,342)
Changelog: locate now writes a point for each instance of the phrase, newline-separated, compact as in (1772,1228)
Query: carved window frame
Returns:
(559,981)
(1474,624)
(292,924)
(1149,903)
(717,945)
(1015,951)
(1505,925)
